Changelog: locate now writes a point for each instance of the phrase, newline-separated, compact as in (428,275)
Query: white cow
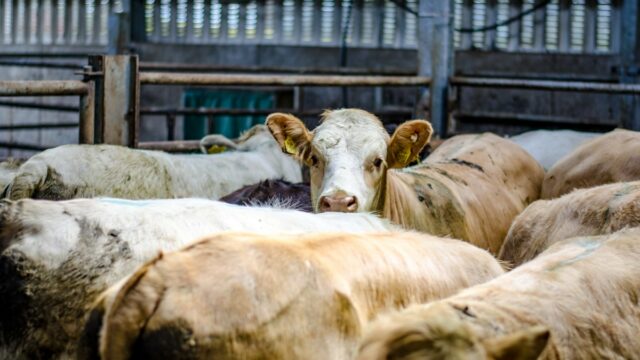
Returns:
(56,257)
(348,155)
(549,146)
(80,171)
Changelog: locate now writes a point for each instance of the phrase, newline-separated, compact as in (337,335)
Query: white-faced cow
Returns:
(57,257)
(592,211)
(612,157)
(355,166)
(577,300)
(348,155)
(81,171)
(247,296)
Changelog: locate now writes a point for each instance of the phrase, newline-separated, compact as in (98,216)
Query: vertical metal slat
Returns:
(539,28)
(467,17)
(515,7)
(590,26)
(491,17)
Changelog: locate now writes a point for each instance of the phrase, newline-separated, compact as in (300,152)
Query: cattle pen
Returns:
(319,179)
(447,50)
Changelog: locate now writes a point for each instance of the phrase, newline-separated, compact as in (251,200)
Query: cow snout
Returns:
(338,203)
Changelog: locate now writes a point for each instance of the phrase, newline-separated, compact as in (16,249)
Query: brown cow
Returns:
(578,300)
(280,193)
(470,188)
(246,296)
(594,211)
(613,157)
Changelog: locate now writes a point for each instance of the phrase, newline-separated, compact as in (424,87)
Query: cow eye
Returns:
(377,162)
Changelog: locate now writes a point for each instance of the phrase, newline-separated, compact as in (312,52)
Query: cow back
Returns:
(613,157)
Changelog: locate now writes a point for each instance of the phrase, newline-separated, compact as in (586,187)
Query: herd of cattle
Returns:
(108,252)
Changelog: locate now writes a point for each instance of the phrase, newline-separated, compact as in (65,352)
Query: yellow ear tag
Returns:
(290,146)
(403,156)
(216,149)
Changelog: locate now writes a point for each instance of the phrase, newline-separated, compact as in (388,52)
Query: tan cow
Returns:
(613,157)
(246,296)
(470,188)
(578,300)
(594,211)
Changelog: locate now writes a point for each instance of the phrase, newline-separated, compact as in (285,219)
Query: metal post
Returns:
(120,28)
(628,57)
(117,111)
(435,56)
(87,109)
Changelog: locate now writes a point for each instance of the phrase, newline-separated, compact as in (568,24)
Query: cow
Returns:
(56,257)
(613,157)
(280,192)
(471,188)
(82,171)
(348,155)
(549,146)
(465,181)
(248,296)
(577,300)
(8,169)
(594,211)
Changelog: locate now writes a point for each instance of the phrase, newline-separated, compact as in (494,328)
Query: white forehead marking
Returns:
(356,131)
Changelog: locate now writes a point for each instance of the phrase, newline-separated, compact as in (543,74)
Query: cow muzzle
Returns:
(338,203)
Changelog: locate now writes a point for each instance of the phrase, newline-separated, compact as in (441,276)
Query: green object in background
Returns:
(195,126)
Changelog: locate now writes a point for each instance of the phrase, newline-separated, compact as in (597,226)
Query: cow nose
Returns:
(338,203)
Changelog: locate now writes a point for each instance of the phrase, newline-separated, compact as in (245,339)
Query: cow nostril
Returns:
(352,203)
(325,204)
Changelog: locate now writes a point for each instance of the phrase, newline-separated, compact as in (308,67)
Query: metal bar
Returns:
(467,15)
(21,146)
(215,112)
(182,67)
(279,80)
(86,133)
(37,126)
(41,64)
(515,7)
(534,120)
(590,26)
(2,20)
(547,85)
(491,17)
(435,54)
(42,88)
(30,105)
(171,146)
(40,14)
(539,26)
(171,126)
(564,29)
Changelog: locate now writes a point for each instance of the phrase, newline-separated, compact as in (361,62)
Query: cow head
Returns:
(438,331)
(348,155)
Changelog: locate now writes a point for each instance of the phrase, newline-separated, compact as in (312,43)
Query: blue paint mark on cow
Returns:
(589,246)
(125,202)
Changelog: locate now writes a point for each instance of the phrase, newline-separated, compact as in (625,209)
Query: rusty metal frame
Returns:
(159,78)
(579,86)
(83,89)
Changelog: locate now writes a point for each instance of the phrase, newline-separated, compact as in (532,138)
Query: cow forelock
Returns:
(346,145)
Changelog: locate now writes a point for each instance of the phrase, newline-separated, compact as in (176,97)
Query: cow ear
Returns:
(290,133)
(526,344)
(407,142)
(216,143)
